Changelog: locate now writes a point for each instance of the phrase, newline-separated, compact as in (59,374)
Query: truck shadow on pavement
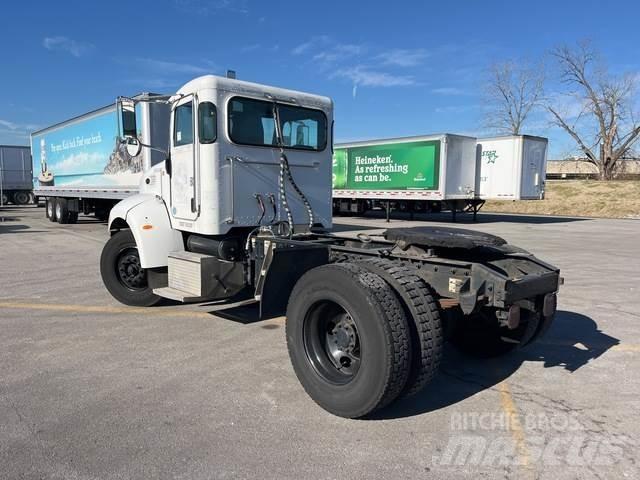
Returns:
(573,341)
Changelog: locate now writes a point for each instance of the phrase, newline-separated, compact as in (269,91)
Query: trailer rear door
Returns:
(534,159)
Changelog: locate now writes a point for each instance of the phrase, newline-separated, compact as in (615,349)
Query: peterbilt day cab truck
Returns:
(242,205)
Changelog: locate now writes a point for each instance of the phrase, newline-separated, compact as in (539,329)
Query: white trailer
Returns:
(79,167)
(512,167)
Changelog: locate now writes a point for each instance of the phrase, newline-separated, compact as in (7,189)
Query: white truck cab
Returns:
(229,169)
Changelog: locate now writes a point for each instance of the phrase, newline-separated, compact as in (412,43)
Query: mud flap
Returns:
(287,264)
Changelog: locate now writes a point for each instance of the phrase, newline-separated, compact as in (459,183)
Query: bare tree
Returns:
(600,117)
(512,92)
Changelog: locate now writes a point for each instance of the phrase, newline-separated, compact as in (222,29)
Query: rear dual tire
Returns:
(348,339)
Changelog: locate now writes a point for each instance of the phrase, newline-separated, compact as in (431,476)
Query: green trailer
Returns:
(424,173)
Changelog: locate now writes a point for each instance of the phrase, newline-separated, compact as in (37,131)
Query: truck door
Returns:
(184,174)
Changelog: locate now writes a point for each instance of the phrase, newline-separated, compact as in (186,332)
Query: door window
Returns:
(183,125)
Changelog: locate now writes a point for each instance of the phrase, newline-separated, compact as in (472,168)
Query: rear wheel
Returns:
(21,198)
(348,339)
(122,272)
(5,199)
(423,315)
(62,210)
(51,209)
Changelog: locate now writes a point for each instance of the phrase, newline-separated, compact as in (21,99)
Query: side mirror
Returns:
(127,109)
(133,146)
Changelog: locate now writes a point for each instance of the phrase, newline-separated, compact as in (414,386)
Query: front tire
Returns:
(348,339)
(122,274)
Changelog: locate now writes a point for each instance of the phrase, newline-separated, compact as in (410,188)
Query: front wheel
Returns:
(123,274)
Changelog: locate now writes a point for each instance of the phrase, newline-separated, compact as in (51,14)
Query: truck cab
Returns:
(224,152)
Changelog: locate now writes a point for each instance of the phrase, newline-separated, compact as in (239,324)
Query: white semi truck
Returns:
(242,204)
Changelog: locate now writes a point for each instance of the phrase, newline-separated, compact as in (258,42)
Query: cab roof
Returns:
(267,92)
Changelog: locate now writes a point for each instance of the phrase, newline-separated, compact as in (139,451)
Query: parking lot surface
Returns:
(91,389)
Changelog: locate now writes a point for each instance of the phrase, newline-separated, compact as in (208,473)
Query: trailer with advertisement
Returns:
(79,165)
(15,175)
(414,174)
(512,167)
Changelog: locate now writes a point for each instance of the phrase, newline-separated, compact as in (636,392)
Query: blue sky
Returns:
(392,68)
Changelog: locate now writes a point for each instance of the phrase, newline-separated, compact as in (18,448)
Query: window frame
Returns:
(321,148)
(200,123)
(175,125)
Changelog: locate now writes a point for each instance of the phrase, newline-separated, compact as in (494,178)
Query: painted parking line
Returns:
(515,427)
(106,309)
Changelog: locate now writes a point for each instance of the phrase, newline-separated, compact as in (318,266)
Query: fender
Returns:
(147,217)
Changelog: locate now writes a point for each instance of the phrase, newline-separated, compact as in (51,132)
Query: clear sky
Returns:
(393,68)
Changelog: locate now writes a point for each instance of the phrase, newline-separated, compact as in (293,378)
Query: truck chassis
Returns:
(366,316)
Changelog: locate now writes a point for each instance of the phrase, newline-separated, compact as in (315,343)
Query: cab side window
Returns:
(207,119)
(183,125)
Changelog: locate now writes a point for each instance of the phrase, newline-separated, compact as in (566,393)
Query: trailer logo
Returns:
(490,156)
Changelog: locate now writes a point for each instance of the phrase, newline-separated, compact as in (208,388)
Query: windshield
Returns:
(251,122)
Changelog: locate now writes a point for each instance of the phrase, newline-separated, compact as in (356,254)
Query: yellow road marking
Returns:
(515,427)
(149,311)
(159,312)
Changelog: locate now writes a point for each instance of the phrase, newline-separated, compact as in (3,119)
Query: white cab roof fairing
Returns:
(257,90)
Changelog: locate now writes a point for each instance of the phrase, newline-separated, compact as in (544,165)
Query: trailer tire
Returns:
(348,339)
(5,199)
(423,315)
(62,210)
(51,209)
(122,274)
(21,198)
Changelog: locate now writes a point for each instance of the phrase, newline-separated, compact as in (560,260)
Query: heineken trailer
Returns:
(421,174)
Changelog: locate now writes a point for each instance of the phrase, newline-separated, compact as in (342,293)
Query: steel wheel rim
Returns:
(332,342)
(129,270)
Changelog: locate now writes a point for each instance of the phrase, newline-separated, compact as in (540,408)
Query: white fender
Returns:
(147,217)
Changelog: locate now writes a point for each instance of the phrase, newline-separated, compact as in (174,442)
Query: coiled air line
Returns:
(285,170)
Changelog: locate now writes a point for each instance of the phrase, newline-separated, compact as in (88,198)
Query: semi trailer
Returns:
(15,175)
(242,206)
(437,172)
(512,167)
(414,174)
(79,166)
